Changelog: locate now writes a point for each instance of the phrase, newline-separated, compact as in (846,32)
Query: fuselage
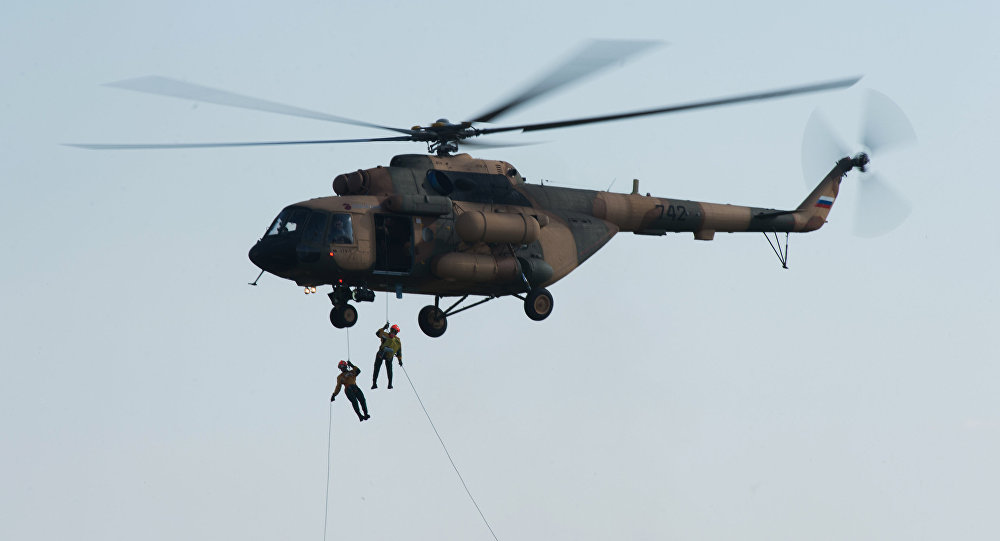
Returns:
(455,225)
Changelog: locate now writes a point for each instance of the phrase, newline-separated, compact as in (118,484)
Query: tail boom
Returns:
(647,215)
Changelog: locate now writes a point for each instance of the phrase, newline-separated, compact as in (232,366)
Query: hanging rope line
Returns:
(329,446)
(329,439)
(387,307)
(443,446)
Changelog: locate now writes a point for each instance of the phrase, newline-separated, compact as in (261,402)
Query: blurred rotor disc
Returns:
(880,208)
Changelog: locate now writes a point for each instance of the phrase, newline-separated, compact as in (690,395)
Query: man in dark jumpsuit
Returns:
(349,378)
(389,347)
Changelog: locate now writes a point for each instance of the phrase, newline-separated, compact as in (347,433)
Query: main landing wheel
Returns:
(538,304)
(343,315)
(432,321)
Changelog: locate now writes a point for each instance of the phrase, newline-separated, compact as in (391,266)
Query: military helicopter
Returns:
(452,226)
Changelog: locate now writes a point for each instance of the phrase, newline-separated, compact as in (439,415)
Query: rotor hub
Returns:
(861,161)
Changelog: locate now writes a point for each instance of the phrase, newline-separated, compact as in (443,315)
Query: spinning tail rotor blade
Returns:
(821,148)
(880,208)
(885,125)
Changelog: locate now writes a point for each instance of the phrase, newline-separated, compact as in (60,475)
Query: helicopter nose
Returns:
(272,257)
(256,256)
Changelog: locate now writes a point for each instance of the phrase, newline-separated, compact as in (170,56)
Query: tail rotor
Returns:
(885,126)
(880,207)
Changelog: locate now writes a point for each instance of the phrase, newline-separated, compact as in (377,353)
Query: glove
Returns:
(401,362)
(333,397)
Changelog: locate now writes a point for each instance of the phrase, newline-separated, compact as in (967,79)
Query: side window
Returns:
(313,231)
(341,230)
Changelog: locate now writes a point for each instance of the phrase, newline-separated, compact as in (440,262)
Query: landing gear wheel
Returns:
(343,315)
(432,321)
(538,304)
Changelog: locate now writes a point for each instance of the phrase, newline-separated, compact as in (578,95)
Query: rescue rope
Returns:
(329,439)
(348,343)
(329,446)
(440,439)
(445,447)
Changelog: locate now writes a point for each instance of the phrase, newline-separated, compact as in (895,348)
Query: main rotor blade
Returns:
(222,145)
(591,58)
(480,144)
(885,124)
(164,86)
(771,94)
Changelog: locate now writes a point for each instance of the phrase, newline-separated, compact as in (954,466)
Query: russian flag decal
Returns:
(825,201)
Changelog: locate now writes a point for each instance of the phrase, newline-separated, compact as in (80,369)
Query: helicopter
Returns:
(452,226)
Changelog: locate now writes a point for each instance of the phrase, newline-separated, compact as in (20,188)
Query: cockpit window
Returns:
(289,221)
(341,230)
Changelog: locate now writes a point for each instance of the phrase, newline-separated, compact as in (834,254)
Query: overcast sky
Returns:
(680,389)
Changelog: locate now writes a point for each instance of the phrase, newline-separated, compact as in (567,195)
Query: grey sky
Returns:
(680,389)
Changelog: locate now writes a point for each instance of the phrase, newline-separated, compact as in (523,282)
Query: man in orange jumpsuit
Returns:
(348,379)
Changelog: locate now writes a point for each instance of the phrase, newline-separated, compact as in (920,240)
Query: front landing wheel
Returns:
(343,315)
(538,304)
(432,321)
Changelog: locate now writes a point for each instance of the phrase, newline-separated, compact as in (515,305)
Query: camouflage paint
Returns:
(573,223)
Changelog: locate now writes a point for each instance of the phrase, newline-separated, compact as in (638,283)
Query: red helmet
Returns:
(342,365)
(394,328)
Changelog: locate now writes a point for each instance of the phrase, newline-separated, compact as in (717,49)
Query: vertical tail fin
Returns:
(813,211)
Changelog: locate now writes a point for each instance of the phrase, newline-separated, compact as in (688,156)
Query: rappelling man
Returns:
(348,379)
(390,346)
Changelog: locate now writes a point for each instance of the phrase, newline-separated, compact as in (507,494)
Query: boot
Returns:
(374,385)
